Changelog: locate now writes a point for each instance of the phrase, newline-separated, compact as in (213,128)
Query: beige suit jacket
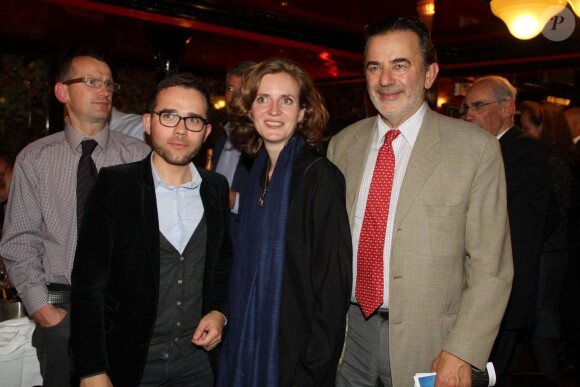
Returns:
(451,264)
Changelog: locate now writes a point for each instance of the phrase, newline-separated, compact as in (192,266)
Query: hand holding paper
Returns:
(485,378)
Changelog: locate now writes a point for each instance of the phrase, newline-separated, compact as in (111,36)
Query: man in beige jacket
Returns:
(447,264)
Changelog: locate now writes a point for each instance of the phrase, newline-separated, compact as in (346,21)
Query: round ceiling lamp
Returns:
(426,10)
(526,18)
(575,4)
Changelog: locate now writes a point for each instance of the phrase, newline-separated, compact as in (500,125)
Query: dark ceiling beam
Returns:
(247,19)
(467,51)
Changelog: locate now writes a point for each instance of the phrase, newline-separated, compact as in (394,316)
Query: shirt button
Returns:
(178,324)
(176,339)
(179,281)
(181,258)
(166,356)
(178,303)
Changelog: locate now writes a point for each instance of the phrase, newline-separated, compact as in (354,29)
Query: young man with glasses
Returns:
(153,261)
(491,104)
(45,206)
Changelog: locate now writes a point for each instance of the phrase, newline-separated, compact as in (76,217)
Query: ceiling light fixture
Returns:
(526,18)
(575,4)
(426,10)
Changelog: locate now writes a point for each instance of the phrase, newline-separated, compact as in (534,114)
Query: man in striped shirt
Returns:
(40,229)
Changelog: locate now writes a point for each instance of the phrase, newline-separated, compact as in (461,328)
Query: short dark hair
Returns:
(64,66)
(555,135)
(394,23)
(185,80)
(239,69)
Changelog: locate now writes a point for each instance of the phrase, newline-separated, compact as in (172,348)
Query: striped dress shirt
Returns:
(40,229)
(402,147)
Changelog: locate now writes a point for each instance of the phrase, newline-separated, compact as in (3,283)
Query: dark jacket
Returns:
(317,278)
(115,277)
(528,192)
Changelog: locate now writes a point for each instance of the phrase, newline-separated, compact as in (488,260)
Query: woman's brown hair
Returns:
(315,114)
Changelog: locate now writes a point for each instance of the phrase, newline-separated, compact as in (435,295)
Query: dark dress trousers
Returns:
(115,277)
(239,182)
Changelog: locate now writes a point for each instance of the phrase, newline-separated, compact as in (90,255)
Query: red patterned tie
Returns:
(369,272)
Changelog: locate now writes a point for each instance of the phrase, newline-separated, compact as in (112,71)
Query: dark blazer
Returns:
(574,212)
(241,176)
(317,279)
(528,192)
(115,278)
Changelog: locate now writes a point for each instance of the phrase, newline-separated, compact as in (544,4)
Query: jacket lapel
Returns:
(355,164)
(150,222)
(213,218)
(424,159)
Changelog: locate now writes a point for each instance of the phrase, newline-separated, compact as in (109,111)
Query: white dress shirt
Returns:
(402,147)
(228,162)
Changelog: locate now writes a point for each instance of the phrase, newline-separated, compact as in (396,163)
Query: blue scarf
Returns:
(249,355)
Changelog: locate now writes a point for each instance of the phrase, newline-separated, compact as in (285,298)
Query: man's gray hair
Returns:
(502,89)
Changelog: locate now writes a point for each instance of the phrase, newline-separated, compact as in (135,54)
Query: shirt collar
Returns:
(409,129)
(500,135)
(74,138)
(193,184)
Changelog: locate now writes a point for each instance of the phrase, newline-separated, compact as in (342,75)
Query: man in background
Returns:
(52,177)
(571,291)
(491,104)
(129,124)
(5,167)
(573,117)
(229,161)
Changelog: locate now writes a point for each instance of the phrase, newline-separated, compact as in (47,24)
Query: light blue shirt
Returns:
(227,164)
(179,209)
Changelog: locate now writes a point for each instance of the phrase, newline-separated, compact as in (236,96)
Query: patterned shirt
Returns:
(402,147)
(40,229)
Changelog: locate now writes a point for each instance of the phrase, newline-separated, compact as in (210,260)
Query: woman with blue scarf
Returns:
(291,279)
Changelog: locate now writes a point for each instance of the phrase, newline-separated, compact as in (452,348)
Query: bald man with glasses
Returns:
(491,104)
(52,177)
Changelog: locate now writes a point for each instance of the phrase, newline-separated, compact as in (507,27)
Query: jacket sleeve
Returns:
(488,263)
(89,280)
(328,240)
(217,297)
(22,244)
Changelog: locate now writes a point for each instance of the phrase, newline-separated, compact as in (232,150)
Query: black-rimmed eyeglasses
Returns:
(171,120)
(477,107)
(95,83)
